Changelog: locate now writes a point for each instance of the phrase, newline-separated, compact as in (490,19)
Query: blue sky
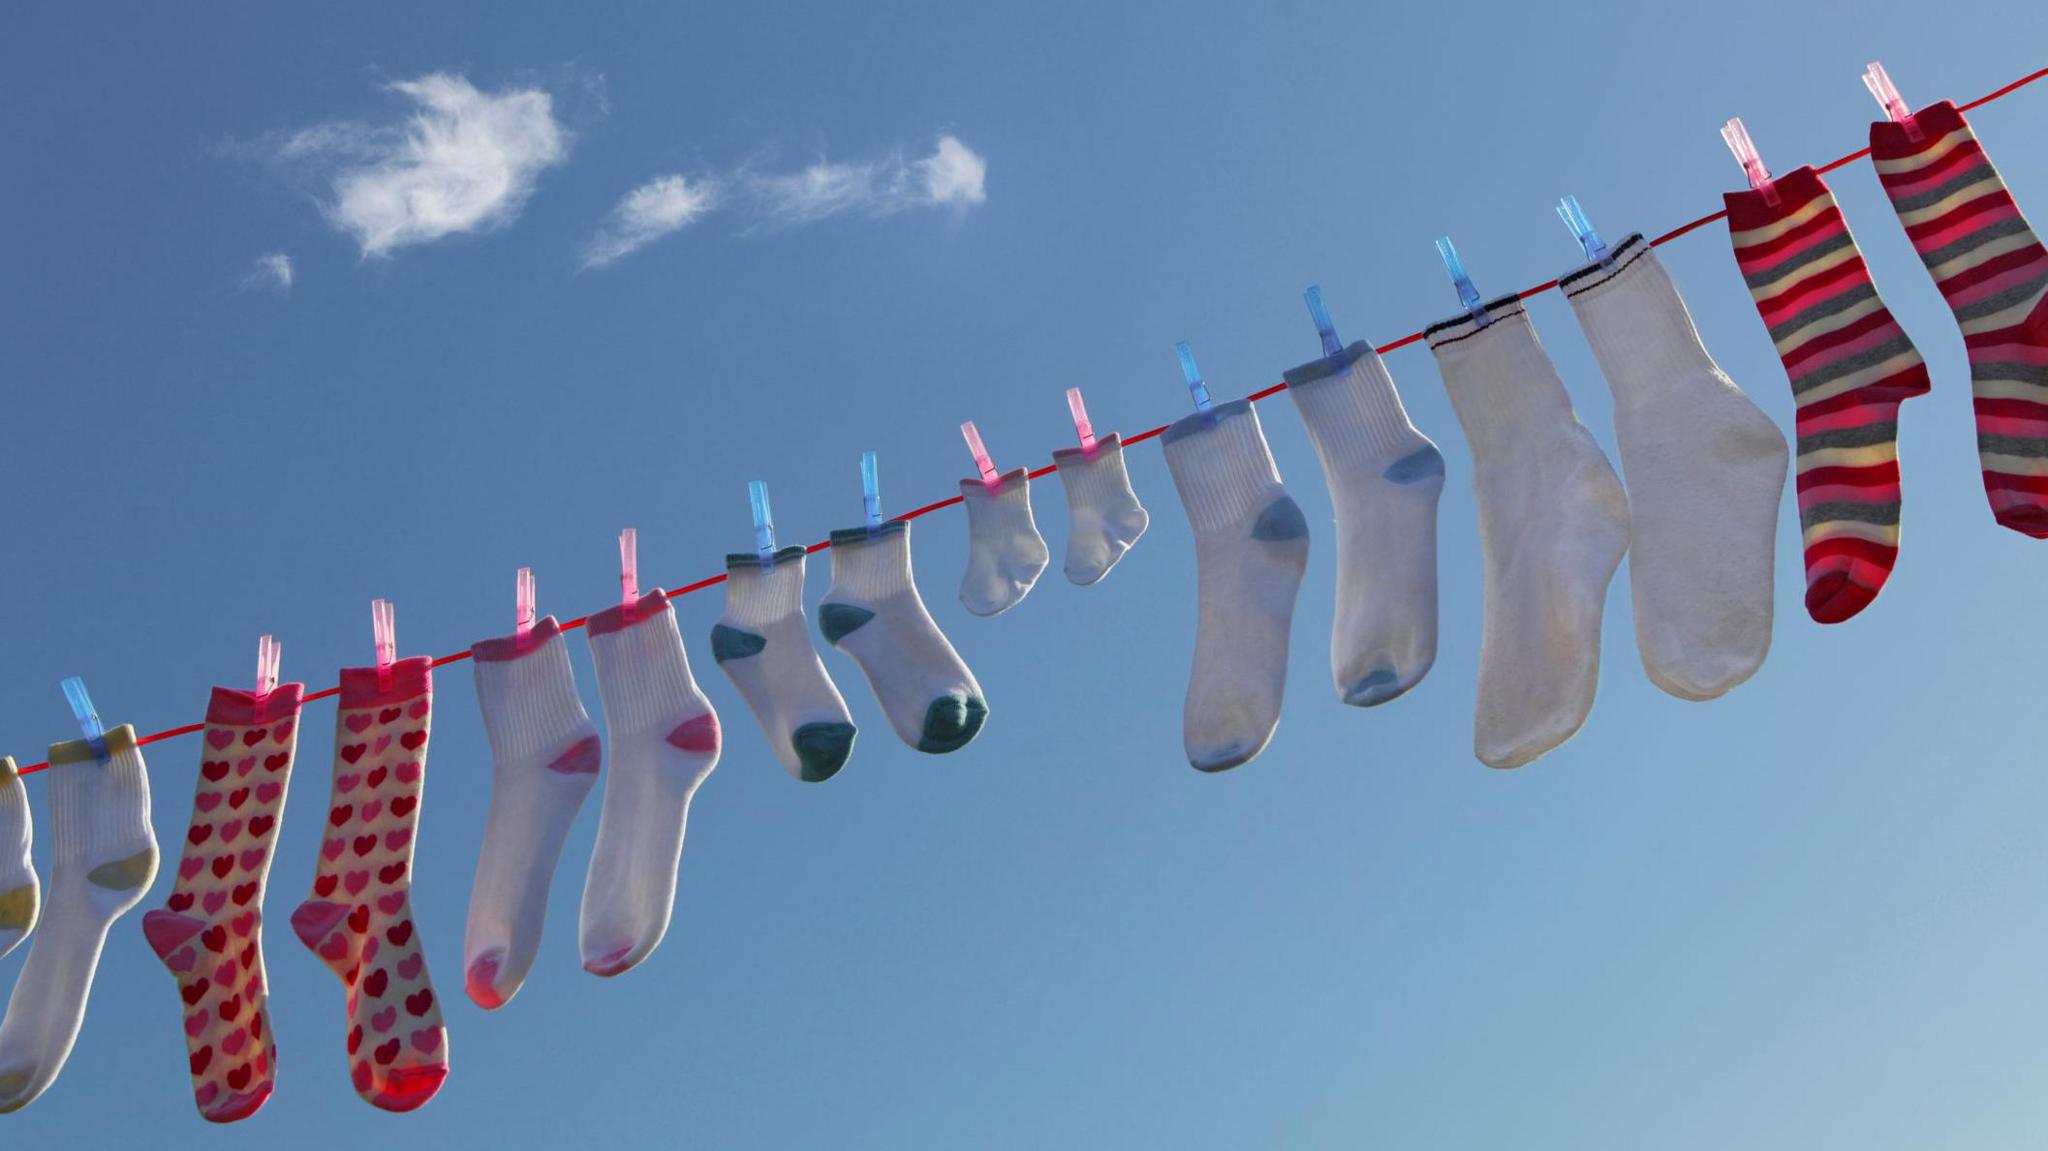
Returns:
(1806,915)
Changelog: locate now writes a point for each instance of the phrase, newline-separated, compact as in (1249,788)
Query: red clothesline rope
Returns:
(1404,341)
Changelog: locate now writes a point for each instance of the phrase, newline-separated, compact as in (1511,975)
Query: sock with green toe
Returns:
(104,860)
(20,892)
(873,613)
(763,644)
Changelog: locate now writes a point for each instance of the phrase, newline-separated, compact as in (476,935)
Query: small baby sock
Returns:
(1251,547)
(103,861)
(20,891)
(665,741)
(1553,526)
(210,931)
(763,644)
(1105,516)
(1384,478)
(545,756)
(873,613)
(1705,471)
(1005,553)
(359,918)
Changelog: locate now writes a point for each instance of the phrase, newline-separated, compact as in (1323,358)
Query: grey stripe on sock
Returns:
(1887,514)
(1980,173)
(1827,247)
(1862,437)
(1896,345)
(2031,447)
(2036,374)
(1975,240)
(2017,294)
(1828,307)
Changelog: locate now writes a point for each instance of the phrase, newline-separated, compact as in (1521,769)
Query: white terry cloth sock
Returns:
(665,741)
(20,891)
(763,644)
(1105,516)
(1553,526)
(873,613)
(1005,553)
(104,859)
(1384,478)
(545,757)
(1705,468)
(1251,547)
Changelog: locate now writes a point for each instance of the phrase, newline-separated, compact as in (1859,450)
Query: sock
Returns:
(1251,547)
(1850,364)
(873,613)
(104,859)
(20,891)
(665,741)
(1384,478)
(210,931)
(763,644)
(1992,270)
(545,756)
(1553,526)
(359,918)
(1005,553)
(1105,516)
(1705,470)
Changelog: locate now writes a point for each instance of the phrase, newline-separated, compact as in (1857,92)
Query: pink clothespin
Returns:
(1887,93)
(1082,427)
(384,625)
(522,621)
(989,475)
(629,566)
(1746,155)
(269,654)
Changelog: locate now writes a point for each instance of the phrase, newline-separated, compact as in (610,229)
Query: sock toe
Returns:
(482,981)
(1375,688)
(2027,520)
(951,721)
(1212,760)
(1834,597)
(235,1108)
(408,1088)
(822,749)
(617,961)
(14,1085)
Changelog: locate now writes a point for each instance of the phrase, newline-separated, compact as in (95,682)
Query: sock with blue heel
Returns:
(763,644)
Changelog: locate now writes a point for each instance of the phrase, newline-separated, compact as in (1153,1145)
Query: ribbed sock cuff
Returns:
(1221,465)
(232,707)
(1096,478)
(1004,508)
(529,703)
(99,811)
(871,566)
(408,678)
(643,674)
(1894,141)
(1350,406)
(758,594)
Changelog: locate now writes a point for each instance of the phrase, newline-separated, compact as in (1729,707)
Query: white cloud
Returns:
(271,270)
(952,174)
(464,161)
(663,205)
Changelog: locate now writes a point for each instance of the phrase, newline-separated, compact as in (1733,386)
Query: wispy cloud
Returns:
(663,205)
(953,174)
(464,160)
(271,270)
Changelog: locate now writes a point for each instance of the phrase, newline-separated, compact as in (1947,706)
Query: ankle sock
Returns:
(763,644)
(873,613)
(1553,526)
(1705,470)
(1005,553)
(1105,518)
(20,891)
(1384,478)
(665,742)
(545,756)
(1251,547)
(1993,271)
(1850,365)
(103,861)
(210,931)
(359,918)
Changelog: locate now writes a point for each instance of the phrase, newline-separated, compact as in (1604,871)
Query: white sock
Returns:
(763,643)
(1251,545)
(873,613)
(545,757)
(1005,553)
(1553,525)
(665,741)
(104,859)
(1705,473)
(1106,518)
(20,891)
(1384,478)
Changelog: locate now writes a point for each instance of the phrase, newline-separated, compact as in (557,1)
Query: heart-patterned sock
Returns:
(210,931)
(20,892)
(359,919)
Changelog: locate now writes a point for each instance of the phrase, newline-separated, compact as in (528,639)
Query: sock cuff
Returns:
(1004,508)
(1500,380)
(1095,478)
(1890,140)
(1637,323)
(1220,465)
(99,812)
(1796,191)
(872,565)
(529,702)
(232,707)
(409,678)
(643,673)
(758,592)
(511,647)
(1350,406)
(16,831)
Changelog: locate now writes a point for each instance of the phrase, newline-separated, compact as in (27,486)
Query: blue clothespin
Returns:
(1196,387)
(764,519)
(1321,315)
(1574,218)
(870,490)
(1467,294)
(88,718)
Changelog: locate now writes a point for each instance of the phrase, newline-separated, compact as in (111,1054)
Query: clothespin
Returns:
(1887,93)
(384,627)
(1467,294)
(871,490)
(1082,427)
(629,565)
(269,654)
(1196,388)
(1746,155)
(1321,315)
(523,602)
(88,718)
(1574,218)
(764,519)
(989,474)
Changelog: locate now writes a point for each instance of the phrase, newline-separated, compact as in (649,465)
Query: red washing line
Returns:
(1404,341)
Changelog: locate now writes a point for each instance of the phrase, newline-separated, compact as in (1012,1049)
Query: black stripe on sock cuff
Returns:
(1600,271)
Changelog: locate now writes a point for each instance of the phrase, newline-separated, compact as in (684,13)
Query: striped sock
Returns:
(1850,365)
(1992,270)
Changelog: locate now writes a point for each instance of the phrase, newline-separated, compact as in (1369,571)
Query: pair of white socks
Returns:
(1005,552)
